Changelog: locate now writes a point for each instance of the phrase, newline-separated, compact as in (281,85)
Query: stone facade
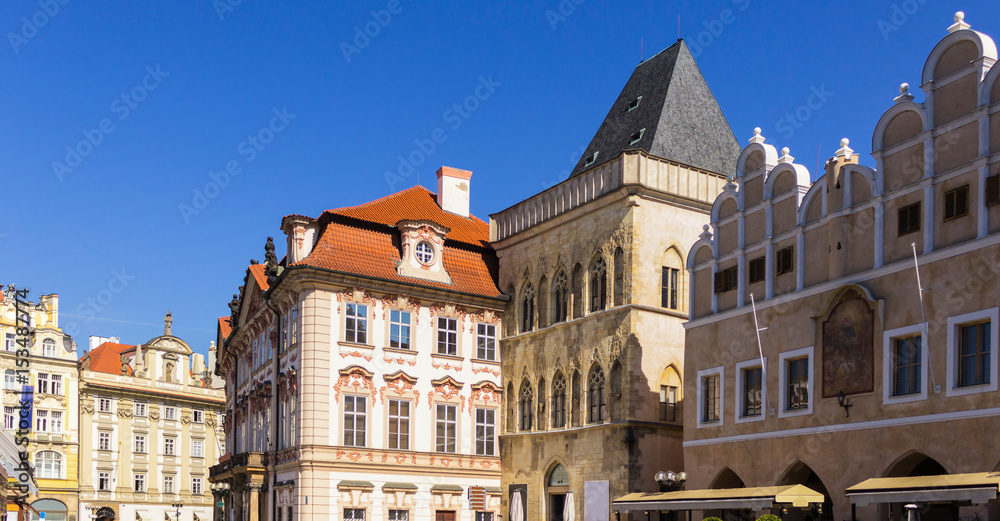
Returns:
(594,334)
(857,384)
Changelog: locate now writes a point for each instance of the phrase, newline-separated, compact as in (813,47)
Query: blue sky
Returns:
(118,114)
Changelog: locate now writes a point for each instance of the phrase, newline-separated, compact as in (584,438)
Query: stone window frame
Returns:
(740,397)
(720,372)
(783,359)
(457,331)
(411,344)
(368,318)
(457,436)
(889,364)
(954,323)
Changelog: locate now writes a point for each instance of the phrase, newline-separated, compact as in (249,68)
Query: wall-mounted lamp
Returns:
(845,402)
(670,480)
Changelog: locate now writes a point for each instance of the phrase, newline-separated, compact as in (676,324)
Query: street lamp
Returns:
(219,491)
(670,480)
(178,505)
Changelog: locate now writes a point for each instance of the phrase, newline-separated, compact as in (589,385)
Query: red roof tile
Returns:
(107,357)
(258,274)
(224,327)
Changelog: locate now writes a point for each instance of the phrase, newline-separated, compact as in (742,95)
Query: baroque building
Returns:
(50,379)
(362,371)
(593,342)
(862,386)
(151,426)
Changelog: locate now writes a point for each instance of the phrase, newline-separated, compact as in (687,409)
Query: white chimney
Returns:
(300,234)
(198,363)
(453,190)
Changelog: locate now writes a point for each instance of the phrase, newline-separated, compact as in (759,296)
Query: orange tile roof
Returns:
(418,204)
(259,275)
(224,327)
(107,357)
(371,247)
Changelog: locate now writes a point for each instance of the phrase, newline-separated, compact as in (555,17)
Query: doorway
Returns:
(557,504)
(444,515)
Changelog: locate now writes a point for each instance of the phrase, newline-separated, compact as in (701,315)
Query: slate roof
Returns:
(681,118)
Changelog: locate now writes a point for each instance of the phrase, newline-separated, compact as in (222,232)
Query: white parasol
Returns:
(516,506)
(569,508)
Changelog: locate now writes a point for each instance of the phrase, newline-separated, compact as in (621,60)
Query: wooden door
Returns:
(444,516)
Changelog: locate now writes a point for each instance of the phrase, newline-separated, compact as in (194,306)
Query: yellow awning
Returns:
(974,488)
(756,498)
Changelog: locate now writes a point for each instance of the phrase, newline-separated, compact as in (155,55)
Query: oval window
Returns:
(424,252)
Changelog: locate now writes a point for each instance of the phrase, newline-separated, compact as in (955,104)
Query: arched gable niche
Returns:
(846,329)
(901,127)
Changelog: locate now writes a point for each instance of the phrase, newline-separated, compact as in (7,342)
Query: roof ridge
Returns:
(381,199)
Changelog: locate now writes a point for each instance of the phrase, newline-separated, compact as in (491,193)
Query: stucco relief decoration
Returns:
(87,403)
(356,295)
(485,370)
(186,416)
(356,354)
(154,412)
(399,361)
(484,317)
(849,346)
(402,302)
(619,342)
(427,233)
(447,366)
(355,378)
(125,409)
(400,386)
(227,422)
(447,389)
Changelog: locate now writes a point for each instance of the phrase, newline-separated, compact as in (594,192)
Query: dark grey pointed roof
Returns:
(681,118)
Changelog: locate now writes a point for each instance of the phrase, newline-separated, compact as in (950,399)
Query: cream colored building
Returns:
(151,427)
(363,371)
(593,343)
(855,378)
(54,438)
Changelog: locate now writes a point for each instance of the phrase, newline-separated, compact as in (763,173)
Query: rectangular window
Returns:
(974,354)
(357,323)
(906,369)
(785,260)
(169,413)
(668,287)
(168,484)
(484,516)
(295,325)
(354,514)
(43,383)
(139,482)
(399,329)
(909,219)
(485,432)
(993,190)
(103,404)
(103,481)
(486,342)
(10,342)
(104,441)
(196,486)
(710,398)
(752,391)
(399,424)
(399,515)
(140,409)
(447,336)
(168,446)
(140,444)
(956,202)
(57,384)
(42,421)
(727,279)
(197,448)
(198,416)
(49,349)
(757,270)
(9,418)
(447,422)
(283,337)
(10,380)
(56,425)
(668,403)
(797,390)
(354,421)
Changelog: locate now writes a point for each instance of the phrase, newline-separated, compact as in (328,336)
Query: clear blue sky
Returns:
(200,78)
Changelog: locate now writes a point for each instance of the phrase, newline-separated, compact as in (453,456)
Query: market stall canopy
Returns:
(757,498)
(974,488)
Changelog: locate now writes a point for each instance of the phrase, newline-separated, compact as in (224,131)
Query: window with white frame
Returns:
(972,353)
(283,335)
(48,465)
(399,424)
(447,426)
(168,484)
(399,329)
(710,396)
(170,413)
(141,409)
(49,348)
(139,482)
(197,448)
(169,446)
(294,333)
(103,404)
(43,383)
(139,446)
(355,421)
(10,380)
(197,487)
(904,367)
(56,424)
(42,421)
(104,481)
(10,342)
(103,441)
(485,432)
(749,391)
(486,342)
(356,323)
(57,384)
(9,418)
(795,382)
(198,416)
(447,330)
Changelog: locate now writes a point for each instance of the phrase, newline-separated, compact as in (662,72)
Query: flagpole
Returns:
(760,349)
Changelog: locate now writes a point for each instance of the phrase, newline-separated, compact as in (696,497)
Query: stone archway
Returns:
(801,474)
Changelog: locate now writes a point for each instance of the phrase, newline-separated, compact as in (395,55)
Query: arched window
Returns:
(619,267)
(54,509)
(575,408)
(527,403)
(559,401)
(511,409)
(595,395)
(48,464)
(543,305)
(560,298)
(670,281)
(670,389)
(577,291)
(49,348)
(616,391)
(598,285)
(527,308)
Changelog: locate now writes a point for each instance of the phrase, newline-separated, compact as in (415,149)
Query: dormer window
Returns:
(424,252)
(637,137)
(635,104)
(591,159)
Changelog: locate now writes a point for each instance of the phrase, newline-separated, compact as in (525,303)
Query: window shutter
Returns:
(962,201)
(949,204)
(902,221)
(915,217)
(718,281)
(993,189)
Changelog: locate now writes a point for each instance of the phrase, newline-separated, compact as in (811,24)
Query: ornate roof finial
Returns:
(959,24)
(270,259)
(785,156)
(234,309)
(845,151)
(904,93)
(167,322)
(705,233)
(757,137)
